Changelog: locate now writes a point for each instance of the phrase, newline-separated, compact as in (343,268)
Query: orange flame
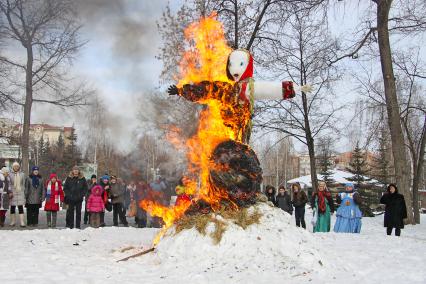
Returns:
(205,60)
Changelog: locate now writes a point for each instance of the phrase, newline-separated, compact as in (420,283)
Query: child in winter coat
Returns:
(54,198)
(95,206)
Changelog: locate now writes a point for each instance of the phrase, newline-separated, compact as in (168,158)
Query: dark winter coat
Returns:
(395,211)
(117,193)
(34,194)
(271,196)
(284,202)
(299,199)
(75,188)
(4,192)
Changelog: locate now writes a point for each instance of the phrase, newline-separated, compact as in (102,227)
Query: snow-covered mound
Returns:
(274,246)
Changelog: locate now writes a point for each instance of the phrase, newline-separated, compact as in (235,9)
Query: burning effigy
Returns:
(224,173)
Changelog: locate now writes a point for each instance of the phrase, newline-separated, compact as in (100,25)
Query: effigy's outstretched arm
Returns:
(197,92)
(265,90)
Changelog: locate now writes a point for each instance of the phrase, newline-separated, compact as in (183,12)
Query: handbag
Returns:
(132,210)
(314,217)
(108,206)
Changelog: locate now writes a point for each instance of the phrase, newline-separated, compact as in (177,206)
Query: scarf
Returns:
(49,191)
(35,181)
(17,181)
(322,195)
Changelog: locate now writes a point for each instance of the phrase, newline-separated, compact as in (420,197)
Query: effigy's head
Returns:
(240,65)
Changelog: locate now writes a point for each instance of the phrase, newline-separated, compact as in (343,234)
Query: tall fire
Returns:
(223,171)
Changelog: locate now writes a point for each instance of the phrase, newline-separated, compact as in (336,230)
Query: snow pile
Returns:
(274,247)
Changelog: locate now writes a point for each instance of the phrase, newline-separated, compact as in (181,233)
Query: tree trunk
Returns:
(236,29)
(310,143)
(27,111)
(418,175)
(401,164)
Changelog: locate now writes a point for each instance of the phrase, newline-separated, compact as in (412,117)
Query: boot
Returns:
(54,215)
(12,220)
(2,218)
(21,218)
(49,219)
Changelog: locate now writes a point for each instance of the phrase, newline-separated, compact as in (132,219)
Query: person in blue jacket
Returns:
(348,214)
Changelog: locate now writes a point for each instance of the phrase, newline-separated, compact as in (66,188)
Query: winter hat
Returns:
(105,177)
(93,176)
(53,176)
(15,164)
(4,170)
(349,184)
(35,168)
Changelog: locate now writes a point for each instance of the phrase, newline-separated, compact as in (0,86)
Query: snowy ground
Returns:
(273,252)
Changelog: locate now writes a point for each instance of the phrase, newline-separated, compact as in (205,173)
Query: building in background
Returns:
(12,130)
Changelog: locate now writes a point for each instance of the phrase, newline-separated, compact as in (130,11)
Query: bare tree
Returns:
(407,17)
(302,55)
(413,115)
(46,32)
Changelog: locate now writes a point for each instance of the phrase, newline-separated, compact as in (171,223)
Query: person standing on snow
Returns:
(270,194)
(348,214)
(92,182)
(299,202)
(117,199)
(283,200)
(5,194)
(95,205)
(323,205)
(105,184)
(34,195)
(54,199)
(17,186)
(74,189)
(395,210)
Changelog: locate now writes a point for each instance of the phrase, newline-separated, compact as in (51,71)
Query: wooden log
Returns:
(137,254)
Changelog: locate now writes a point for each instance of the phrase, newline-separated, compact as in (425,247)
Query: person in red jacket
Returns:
(54,198)
(96,205)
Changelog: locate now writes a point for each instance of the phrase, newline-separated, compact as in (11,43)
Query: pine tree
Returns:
(72,155)
(44,162)
(358,167)
(324,160)
(60,167)
(382,164)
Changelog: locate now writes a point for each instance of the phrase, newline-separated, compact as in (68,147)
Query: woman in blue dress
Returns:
(348,214)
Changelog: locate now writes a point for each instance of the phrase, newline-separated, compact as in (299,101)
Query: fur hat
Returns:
(4,170)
